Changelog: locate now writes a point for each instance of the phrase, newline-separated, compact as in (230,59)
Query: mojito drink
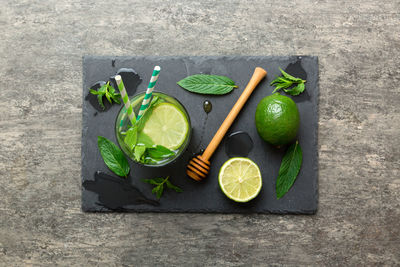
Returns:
(159,136)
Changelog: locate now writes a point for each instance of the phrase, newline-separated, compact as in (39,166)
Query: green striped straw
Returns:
(150,88)
(125,99)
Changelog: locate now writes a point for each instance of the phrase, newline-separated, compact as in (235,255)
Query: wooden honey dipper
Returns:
(199,166)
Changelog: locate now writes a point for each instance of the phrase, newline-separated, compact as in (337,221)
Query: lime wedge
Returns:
(240,179)
(167,126)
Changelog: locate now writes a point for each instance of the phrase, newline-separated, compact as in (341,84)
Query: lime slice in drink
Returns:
(240,179)
(167,126)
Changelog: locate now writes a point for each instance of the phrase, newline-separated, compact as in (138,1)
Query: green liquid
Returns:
(123,124)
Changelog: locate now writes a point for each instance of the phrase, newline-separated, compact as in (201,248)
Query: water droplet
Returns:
(238,144)
(114,193)
(296,70)
(130,78)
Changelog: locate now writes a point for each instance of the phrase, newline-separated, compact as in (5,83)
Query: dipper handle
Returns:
(258,75)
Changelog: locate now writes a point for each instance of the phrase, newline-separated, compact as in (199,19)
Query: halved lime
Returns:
(167,126)
(240,179)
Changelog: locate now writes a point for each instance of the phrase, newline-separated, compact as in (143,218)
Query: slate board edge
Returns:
(316,163)
(200,211)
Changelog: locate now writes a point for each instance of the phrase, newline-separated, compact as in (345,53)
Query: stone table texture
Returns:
(42,44)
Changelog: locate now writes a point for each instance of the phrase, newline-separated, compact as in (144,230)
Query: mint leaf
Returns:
(289,169)
(160,180)
(144,139)
(131,137)
(100,100)
(174,187)
(113,157)
(159,152)
(108,91)
(159,188)
(207,84)
(286,81)
(139,151)
(150,181)
(295,90)
(290,77)
(108,97)
(94,92)
(116,98)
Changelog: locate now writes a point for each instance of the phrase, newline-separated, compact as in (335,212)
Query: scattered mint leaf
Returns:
(289,169)
(100,100)
(174,187)
(150,181)
(298,89)
(108,97)
(115,96)
(94,92)
(159,180)
(113,157)
(286,81)
(131,137)
(207,84)
(158,190)
(290,77)
(159,185)
(108,91)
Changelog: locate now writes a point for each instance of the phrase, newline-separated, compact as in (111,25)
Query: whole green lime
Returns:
(277,119)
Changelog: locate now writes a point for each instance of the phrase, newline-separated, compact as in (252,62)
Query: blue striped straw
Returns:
(150,88)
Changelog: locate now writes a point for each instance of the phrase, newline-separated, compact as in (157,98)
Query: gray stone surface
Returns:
(42,43)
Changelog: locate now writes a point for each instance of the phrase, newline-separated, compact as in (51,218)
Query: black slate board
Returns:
(206,196)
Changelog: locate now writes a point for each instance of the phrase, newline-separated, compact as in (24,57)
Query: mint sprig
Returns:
(159,185)
(285,81)
(109,92)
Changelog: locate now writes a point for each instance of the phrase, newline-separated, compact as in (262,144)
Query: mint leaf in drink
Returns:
(144,139)
(159,152)
(286,81)
(109,92)
(159,185)
(139,151)
(113,157)
(207,84)
(289,169)
(131,137)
